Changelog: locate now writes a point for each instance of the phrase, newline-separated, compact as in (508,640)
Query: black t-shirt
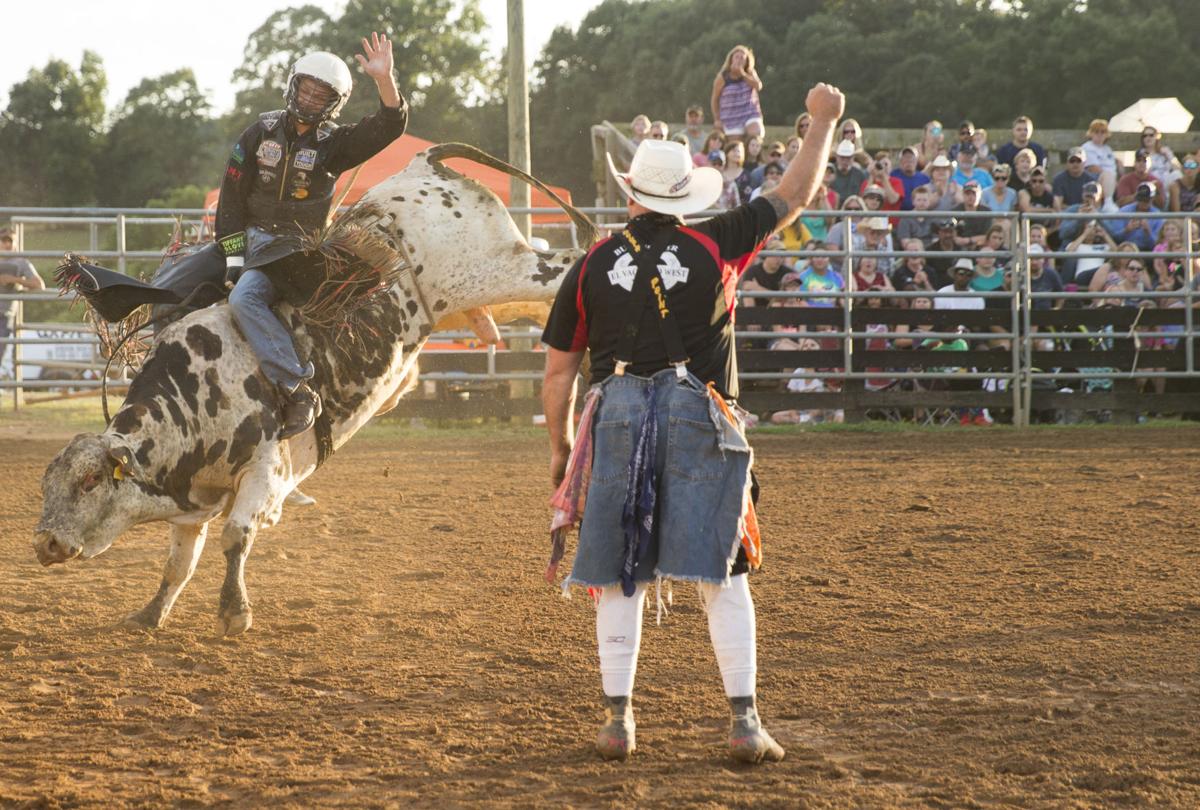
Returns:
(699,267)
(767,280)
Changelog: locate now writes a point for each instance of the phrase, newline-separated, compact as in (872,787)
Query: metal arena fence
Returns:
(1025,357)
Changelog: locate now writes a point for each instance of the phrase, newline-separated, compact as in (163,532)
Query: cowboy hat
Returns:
(663,178)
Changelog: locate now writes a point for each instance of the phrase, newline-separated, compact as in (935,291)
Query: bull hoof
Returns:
(144,619)
(234,624)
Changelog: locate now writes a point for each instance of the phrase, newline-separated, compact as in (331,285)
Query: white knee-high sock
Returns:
(619,637)
(731,626)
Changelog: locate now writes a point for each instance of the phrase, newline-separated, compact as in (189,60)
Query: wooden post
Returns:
(518,112)
(518,150)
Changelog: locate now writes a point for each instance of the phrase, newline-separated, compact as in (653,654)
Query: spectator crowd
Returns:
(952,182)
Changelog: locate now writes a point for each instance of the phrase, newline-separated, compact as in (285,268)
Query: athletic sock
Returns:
(619,637)
(731,626)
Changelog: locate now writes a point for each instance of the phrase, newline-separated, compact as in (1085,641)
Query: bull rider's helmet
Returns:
(329,71)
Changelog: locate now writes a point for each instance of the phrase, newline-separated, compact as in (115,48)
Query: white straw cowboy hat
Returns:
(663,178)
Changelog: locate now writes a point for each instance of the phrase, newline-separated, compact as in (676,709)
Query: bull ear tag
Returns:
(122,461)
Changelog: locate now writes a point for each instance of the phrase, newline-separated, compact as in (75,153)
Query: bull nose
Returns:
(51,550)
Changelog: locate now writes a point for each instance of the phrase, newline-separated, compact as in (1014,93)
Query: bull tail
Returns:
(588,232)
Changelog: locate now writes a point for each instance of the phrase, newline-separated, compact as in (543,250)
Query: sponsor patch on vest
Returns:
(266,176)
(269,153)
(306,159)
(238,154)
(300,193)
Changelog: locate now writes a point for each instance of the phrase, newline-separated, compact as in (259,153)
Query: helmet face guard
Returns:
(330,73)
(305,115)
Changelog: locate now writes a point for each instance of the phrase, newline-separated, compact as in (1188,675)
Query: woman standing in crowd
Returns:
(735,105)
(1185,192)
(932,144)
(1099,158)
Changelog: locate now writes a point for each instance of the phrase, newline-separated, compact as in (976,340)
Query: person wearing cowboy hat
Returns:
(666,465)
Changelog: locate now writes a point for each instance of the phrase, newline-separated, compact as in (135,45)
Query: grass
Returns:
(85,415)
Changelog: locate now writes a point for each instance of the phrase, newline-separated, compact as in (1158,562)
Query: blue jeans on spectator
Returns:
(251,302)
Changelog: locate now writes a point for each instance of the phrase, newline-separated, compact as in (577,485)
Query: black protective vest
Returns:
(292,189)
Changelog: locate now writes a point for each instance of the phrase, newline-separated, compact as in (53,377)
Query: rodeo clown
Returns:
(279,184)
(661,469)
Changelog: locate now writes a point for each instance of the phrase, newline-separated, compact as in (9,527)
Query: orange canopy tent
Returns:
(398,155)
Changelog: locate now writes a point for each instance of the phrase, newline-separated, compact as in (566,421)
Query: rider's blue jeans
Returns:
(251,302)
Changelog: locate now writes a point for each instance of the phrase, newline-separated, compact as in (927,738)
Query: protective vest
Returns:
(292,189)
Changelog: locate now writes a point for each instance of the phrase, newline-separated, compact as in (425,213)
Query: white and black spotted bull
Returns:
(197,434)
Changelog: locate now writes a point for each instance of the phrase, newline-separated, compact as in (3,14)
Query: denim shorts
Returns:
(703,466)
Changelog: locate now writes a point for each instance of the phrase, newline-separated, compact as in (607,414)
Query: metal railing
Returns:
(1020,295)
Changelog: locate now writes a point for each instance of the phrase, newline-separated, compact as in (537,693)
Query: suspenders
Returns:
(648,287)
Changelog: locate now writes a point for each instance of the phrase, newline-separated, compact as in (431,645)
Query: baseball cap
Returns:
(875,189)
(1075,152)
(949,222)
(716,156)
(967,149)
(964,264)
(844,149)
(908,149)
(1035,248)
(1144,191)
(971,185)
(1037,170)
(1141,154)
(788,279)
(877,224)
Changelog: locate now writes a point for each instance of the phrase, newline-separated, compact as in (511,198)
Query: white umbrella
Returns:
(1164,114)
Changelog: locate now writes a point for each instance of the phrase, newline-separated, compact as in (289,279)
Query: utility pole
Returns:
(518,112)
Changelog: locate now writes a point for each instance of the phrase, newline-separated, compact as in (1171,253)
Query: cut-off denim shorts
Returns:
(702,462)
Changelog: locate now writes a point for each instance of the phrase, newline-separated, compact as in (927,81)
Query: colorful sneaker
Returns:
(982,419)
(748,740)
(616,738)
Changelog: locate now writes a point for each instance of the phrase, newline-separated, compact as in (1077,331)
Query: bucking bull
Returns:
(196,436)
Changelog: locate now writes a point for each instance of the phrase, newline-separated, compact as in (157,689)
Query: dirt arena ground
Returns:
(955,619)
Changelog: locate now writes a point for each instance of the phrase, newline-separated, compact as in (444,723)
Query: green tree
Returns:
(162,137)
(439,54)
(50,134)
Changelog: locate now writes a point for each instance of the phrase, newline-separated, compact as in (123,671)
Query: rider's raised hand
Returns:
(376,58)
